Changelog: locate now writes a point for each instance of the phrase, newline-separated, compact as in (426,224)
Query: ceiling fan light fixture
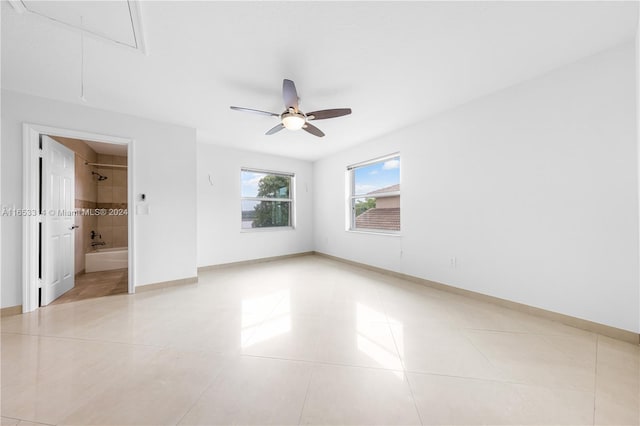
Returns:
(293,121)
(292,118)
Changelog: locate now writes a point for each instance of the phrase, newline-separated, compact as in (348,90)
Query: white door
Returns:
(58,221)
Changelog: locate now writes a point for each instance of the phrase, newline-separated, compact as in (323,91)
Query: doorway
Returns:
(104,228)
(100,234)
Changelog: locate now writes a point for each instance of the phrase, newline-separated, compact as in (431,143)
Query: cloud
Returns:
(391,164)
(254,181)
(250,182)
(373,172)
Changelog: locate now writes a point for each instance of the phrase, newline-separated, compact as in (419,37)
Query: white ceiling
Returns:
(111,20)
(393,63)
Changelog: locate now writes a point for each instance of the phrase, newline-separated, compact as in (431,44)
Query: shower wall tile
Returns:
(85,183)
(105,159)
(105,193)
(119,194)
(107,237)
(120,236)
(87,223)
(84,180)
(91,193)
(120,177)
(112,194)
(120,220)
(105,222)
(119,160)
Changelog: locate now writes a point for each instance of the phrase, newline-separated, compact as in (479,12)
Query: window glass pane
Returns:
(383,176)
(257,184)
(381,213)
(375,196)
(261,214)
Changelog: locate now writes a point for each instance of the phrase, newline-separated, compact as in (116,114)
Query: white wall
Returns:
(533,189)
(164,166)
(638,129)
(219,237)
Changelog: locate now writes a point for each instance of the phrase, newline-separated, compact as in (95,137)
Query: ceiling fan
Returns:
(294,119)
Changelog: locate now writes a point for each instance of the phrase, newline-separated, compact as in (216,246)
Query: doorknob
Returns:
(74,227)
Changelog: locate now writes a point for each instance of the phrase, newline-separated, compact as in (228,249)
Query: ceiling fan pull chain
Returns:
(82,98)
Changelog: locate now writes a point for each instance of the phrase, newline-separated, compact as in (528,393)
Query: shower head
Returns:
(100,177)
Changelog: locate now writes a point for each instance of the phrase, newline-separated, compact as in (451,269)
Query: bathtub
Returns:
(106,259)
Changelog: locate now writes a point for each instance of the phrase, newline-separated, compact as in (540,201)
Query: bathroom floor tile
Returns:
(96,284)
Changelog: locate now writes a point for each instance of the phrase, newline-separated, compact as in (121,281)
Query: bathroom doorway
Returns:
(101,234)
(102,223)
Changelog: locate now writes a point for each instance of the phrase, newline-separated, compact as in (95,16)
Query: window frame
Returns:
(290,199)
(352,196)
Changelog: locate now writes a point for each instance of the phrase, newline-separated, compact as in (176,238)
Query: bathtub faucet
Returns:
(95,234)
(98,243)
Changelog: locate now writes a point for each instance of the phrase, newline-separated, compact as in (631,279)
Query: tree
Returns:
(273,213)
(363,206)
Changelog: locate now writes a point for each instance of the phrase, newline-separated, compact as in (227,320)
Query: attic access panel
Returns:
(115,21)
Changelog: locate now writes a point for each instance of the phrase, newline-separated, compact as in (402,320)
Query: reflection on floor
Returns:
(308,341)
(96,284)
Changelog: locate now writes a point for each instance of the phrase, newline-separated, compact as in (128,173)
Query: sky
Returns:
(377,175)
(250,182)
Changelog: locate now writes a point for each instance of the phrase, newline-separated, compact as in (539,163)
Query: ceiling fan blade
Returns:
(328,113)
(257,111)
(289,94)
(313,130)
(275,129)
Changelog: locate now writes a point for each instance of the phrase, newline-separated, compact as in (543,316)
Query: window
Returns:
(375,195)
(266,199)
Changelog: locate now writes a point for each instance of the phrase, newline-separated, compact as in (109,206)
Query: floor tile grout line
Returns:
(19,420)
(306,394)
(83,339)
(533,333)
(405,371)
(413,397)
(205,390)
(482,353)
(326,363)
(404,368)
(424,373)
(496,381)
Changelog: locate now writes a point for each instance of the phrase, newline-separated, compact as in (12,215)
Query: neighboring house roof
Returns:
(386,219)
(392,188)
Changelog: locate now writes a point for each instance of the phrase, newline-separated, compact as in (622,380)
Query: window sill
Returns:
(376,232)
(268,229)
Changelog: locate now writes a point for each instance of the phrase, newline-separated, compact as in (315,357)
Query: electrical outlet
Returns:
(453,262)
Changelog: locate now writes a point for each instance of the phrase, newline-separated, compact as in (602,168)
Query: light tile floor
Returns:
(308,341)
